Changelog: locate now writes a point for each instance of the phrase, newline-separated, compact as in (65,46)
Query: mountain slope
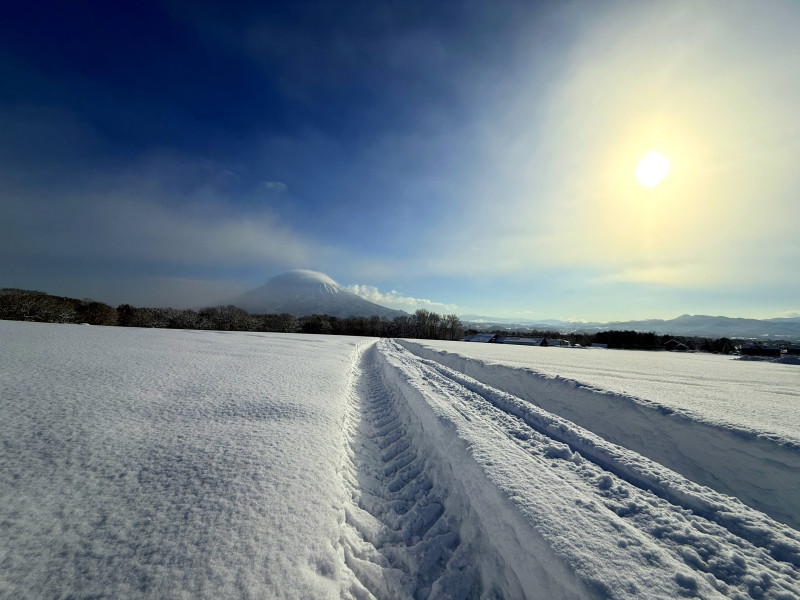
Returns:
(699,325)
(714,326)
(302,292)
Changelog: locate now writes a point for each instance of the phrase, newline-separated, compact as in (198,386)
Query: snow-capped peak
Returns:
(303,292)
(306,276)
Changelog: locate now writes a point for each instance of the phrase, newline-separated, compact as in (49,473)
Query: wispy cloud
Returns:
(155,214)
(669,274)
(276,186)
(123,227)
(395,299)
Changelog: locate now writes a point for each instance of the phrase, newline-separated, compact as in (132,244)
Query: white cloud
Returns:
(394,299)
(121,227)
(277,186)
(163,208)
(670,274)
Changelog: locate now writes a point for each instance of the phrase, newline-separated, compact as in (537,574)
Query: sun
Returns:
(651,169)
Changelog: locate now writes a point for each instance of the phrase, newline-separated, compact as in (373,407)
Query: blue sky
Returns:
(469,157)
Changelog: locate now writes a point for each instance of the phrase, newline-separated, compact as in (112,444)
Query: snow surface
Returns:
(158,463)
(705,416)
(758,396)
(155,463)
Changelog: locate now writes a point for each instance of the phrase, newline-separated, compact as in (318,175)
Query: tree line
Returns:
(632,340)
(27,305)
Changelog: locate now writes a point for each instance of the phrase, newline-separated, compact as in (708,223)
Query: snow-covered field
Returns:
(755,395)
(729,424)
(181,464)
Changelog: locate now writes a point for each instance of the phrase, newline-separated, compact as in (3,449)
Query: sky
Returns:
(471,157)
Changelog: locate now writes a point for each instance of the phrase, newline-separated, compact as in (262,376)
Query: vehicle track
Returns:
(399,538)
(684,519)
(758,469)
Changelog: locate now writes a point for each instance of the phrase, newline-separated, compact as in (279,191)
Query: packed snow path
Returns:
(403,535)
(711,429)
(567,513)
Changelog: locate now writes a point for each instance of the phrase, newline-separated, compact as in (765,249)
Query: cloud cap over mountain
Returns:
(302,292)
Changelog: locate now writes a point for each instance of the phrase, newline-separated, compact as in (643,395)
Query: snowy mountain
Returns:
(709,326)
(302,292)
(472,318)
(699,325)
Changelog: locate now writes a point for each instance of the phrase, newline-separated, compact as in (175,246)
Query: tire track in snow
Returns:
(513,559)
(734,549)
(398,538)
(758,468)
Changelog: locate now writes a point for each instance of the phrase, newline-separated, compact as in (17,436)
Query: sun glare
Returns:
(651,169)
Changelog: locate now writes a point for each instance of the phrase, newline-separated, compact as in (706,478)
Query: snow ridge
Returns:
(782,543)
(405,533)
(621,527)
(759,469)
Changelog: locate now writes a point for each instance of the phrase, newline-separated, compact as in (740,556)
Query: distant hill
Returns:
(510,320)
(688,325)
(303,292)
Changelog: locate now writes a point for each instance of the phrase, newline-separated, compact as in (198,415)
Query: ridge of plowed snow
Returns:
(625,526)
(759,469)
(409,533)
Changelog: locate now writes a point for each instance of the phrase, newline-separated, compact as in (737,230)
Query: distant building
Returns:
(793,349)
(530,341)
(481,337)
(756,350)
(676,346)
(519,341)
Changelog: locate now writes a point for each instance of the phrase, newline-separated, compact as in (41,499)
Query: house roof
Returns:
(481,337)
(527,341)
(760,347)
(519,340)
